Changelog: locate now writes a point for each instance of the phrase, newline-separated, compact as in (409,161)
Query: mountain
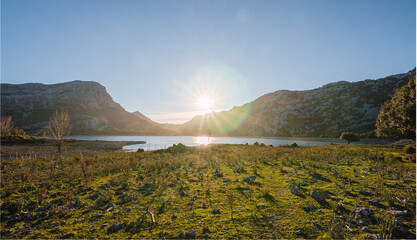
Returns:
(91,108)
(322,112)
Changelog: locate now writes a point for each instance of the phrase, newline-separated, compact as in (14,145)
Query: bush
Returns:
(409,149)
(350,137)
(256,143)
(177,148)
(140,150)
(294,144)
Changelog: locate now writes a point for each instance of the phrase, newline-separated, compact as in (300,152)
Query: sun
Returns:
(204,102)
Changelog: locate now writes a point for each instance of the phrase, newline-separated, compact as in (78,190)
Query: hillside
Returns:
(323,112)
(91,108)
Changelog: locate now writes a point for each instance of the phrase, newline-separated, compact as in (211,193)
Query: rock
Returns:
(204,206)
(115,228)
(193,198)
(309,208)
(371,236)
(226,180)
(362,213)
(206,236)
(299,232)
(215,211)
(294,190)
(174,217)
(263,205)
(249,179)
(402,231)
(366,229)
(182,193)
(397,213)
(190,203)
(320,196)
(190,235)
(319,177)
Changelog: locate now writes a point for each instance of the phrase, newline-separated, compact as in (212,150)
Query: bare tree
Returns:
(6,125)
(59,126)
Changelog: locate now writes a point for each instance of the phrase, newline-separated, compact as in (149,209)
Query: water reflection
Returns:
(203,140)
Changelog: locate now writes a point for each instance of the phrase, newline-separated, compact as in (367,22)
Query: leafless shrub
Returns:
(59,126)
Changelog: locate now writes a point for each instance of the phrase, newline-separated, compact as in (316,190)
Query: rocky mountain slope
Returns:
(92,109)
(323,112)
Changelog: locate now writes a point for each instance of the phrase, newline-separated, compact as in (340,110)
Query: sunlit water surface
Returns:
(163,142)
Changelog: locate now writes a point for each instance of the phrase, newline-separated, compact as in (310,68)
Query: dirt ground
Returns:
(50,149)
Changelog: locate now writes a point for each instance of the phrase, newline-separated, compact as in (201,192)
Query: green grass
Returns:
(87,195)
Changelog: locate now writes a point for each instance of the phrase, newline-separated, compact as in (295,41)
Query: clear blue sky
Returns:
(159,56)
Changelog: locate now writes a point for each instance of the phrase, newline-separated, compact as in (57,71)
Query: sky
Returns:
(173,59)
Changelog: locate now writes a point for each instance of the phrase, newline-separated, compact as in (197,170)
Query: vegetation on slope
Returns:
(397,118)
(221,191)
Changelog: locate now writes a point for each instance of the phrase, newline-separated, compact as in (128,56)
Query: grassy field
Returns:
(222,191)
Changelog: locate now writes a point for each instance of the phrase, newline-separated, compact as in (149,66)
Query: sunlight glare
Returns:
(204,102)
(202,140)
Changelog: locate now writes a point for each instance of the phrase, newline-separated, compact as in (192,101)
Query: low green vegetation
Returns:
(221,191)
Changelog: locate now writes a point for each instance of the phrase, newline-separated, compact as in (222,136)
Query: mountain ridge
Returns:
(321,112)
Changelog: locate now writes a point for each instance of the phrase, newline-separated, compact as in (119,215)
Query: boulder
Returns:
(320,196)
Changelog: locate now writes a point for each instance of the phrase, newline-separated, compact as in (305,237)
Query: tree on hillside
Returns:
(350,137)
(6,125)
(59,126)
(397,117)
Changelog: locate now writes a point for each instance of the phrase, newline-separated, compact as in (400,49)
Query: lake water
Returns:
(163,142)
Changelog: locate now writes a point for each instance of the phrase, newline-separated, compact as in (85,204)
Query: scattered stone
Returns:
(191,203)
(362,213)
(115,228)
(263,205)
(249,179)
(309,208)
(190,235)
(299,232)
(215,211)
(320,196)
(402,231)
(319,177)
(193,198)
(397,213)
(294,190)
(371,236)
(226,180)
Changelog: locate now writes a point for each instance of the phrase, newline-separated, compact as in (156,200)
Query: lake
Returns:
(163,142)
